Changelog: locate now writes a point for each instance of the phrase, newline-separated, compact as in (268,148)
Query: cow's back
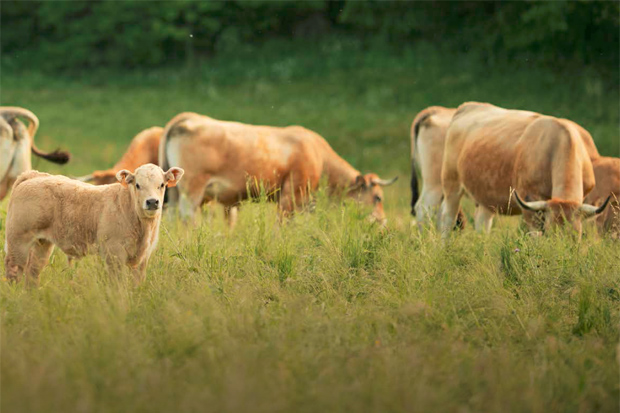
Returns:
(480,150)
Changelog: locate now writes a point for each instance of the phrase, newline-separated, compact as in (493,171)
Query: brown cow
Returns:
(228,161)
(143,149)
(490,151)
(607,174)
(16,143)
(429,129)
(119,221)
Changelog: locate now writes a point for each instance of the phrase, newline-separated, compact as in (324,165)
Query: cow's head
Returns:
(147,187)
(558,212)
(368,190)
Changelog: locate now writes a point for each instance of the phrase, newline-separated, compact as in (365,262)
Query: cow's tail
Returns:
(12,112)
(172,194)
(415,129)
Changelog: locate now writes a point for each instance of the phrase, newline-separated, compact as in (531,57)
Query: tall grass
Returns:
(325,312)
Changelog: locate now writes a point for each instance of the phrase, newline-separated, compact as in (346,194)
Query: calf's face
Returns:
(148,185)
(368,189)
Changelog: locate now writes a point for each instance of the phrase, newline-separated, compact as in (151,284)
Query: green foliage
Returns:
(325,312)
(89,34)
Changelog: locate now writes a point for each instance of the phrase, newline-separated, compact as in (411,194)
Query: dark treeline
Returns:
(56,35)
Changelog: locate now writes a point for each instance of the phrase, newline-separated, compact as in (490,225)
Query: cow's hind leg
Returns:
(484,219)
(428,205)
(40,253)
(191,193)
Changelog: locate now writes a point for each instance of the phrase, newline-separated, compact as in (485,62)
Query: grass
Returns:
(325,313)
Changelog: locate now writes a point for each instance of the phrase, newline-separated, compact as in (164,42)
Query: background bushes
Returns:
(76,35)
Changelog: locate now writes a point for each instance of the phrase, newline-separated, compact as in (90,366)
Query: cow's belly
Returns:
(487,177)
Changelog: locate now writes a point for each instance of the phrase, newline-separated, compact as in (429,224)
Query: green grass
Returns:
(327,312)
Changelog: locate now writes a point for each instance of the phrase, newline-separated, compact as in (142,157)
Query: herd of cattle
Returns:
(508,161)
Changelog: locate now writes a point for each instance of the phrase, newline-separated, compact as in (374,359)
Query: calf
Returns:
(119,221)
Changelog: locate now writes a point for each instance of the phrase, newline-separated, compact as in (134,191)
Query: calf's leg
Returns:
(40,253)
(16,260)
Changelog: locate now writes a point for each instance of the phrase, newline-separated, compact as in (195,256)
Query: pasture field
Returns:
(326,312)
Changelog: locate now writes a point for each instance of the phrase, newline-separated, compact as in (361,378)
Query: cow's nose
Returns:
(152,203)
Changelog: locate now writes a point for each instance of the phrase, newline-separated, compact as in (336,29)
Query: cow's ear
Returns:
(360,182)
(125,177)
(173,176)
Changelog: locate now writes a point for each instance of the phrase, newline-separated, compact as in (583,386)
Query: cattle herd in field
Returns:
(507,161)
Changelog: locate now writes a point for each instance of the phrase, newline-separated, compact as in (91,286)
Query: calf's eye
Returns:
(161,186)
(137,186)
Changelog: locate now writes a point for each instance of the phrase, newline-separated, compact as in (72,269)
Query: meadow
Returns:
(327,312)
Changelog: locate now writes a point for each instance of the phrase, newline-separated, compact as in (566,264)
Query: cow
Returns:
(491,151)
(428,132)
(231,161)
(143,149)
(16,143)
(119,221)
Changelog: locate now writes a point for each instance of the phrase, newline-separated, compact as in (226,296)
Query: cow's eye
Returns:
(161,186)
(137,186)
(378,199)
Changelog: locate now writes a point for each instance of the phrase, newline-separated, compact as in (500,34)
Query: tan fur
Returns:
(606,170)
(490,150)
(607,174)
(143,149)
(113,220)
(228,161)
(427,146)
(16,144)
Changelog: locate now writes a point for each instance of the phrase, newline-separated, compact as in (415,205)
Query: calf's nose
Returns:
(152,203)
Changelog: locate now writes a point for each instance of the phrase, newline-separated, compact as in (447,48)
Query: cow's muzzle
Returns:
(152,204)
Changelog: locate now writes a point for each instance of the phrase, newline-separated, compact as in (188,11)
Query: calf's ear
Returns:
(125,177)
(173,176)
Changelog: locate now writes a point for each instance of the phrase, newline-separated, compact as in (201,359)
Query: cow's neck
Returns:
(340,174)
(143,227)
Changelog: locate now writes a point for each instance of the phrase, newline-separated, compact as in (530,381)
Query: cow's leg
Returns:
(231,213)
(427,207)
(40,253)
(17,252)
(484,219)
(139,272)
(191,193)
(5,186)
(292,197)
(115,257)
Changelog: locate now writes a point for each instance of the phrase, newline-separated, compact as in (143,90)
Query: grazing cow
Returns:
(489,151)
(143,149)
(427,141)
(607,174)
(228,161)
(428,134)
(16,143)
(119,221)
